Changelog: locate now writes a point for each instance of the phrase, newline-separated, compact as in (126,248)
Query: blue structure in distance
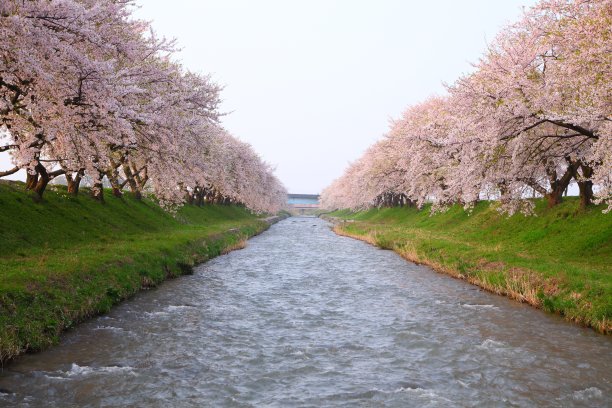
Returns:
(303,203)
(301,199)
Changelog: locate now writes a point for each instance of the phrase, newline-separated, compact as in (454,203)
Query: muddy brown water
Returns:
(303,317)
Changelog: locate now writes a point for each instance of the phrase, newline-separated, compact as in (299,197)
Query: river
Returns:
(302,317)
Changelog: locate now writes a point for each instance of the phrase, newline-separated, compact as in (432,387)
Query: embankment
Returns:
(68,258)
(559,260)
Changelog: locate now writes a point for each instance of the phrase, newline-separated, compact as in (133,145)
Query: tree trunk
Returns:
(504,192)
(31,180)
(131,181)
(97,190)
(113,178)
(42,182)
(44,177)
(558,185)
(394,200)
(209,196)
(74,183)
(115,186)
(141,179)
(585,185)
(189,197)
(199,198)
(117,192)
(554,197)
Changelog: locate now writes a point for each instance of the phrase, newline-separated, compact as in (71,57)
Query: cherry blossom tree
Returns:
(86,91)
(533,117)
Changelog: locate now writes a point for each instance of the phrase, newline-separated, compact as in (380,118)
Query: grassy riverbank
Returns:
(559,260)
(68,258)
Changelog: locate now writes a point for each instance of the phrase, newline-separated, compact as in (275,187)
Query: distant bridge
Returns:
(303,203)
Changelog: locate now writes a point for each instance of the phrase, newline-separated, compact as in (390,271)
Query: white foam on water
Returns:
(299,353)
(157,313)
(491,344)
(470,306)
(175,308)
(588,394)
(55,377)
(112,328)
(77,370)
(423,393)
(169,309)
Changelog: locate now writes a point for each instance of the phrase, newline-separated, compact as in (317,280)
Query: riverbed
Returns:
(303,317)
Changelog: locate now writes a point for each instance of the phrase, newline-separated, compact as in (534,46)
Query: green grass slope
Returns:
(559,260)
(68,258)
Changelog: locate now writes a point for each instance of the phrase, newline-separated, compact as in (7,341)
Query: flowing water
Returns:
(303,317)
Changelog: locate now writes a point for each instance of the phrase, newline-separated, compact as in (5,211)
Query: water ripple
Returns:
(302,317)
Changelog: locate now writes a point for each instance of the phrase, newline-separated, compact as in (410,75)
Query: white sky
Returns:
(311,84)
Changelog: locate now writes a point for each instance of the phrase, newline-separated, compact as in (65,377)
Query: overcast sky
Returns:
(311,84)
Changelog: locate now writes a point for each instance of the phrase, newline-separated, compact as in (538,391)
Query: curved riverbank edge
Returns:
(68,259)
(459,258)
(160,267)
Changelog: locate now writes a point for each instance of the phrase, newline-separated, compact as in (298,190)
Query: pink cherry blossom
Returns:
(87,91)
(533,117)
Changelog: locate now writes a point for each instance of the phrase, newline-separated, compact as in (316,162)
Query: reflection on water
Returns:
(302,317)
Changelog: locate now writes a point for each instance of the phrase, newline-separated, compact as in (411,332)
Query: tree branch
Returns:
(9,172)
(7,147)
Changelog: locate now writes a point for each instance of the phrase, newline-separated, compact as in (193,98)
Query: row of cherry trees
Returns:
(533,117)
(87,91)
